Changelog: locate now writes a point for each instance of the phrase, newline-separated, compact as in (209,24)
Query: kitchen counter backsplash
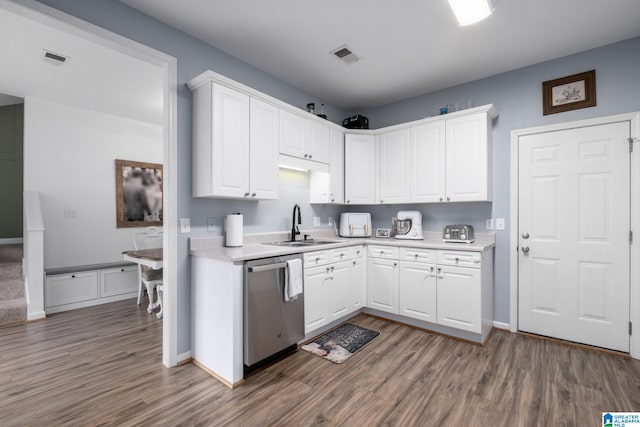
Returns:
(213,247)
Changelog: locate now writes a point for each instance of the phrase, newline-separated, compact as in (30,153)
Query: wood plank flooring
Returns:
(102,366)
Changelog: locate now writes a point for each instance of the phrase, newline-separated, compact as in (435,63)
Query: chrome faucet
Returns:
(294,227)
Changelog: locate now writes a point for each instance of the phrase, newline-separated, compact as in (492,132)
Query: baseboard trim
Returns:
(39,315)
(501,325)
(216,376)
(183,358)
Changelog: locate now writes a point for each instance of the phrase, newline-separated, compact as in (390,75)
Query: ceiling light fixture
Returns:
(471,11)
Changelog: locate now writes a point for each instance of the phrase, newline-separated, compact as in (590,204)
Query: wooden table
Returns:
(151,258)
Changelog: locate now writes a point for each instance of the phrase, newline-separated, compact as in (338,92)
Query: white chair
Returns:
(150,238)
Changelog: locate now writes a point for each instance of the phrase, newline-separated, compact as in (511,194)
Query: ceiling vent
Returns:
(54,58)
(345,54)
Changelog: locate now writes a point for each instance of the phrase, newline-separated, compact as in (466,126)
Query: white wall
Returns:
(69,158)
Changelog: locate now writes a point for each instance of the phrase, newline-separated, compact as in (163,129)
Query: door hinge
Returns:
(630,145)
(630,328)
(630,237)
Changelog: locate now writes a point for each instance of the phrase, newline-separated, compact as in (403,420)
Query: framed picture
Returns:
(384,233)
(569,93)
(138,194)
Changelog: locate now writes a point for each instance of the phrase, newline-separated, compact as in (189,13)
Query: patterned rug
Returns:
(341,343)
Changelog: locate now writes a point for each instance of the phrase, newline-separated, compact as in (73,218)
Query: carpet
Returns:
(341,343)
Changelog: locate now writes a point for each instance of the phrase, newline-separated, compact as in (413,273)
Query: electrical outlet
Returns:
(490,225)
(499,223)
(317,221)
(212,227)
(331,220)
(185,225)
(71,213)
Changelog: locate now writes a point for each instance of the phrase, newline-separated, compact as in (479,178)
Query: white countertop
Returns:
(254,249)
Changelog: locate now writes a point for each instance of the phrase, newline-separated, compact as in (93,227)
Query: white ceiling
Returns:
(95,77)
(407,47)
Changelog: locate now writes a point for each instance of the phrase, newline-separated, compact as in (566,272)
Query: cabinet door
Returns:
(230,151)
(468,158)
(394,166)
(264,146)
(319,142)
(418,291)
(336,168)
(118,281)
(428,163)
(71,288)
(360,169)
(358,289)
(293,135)
(315,298)
(339,292)
(459,298)
(383,281)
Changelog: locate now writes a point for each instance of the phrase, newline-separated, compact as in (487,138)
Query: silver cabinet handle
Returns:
(381,201)
(457,260)
(306,155)
(268,267)
(333,200)
(317,259)
(440,198)
(525,235)
(440,275)
(448,199)
(246,194)
(525,250)
(253,194)
(328,269)
(332,268)
(395,264)
(310,156)
(348,201)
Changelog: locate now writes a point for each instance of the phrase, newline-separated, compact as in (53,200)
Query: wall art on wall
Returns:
(569,93)
(138,194)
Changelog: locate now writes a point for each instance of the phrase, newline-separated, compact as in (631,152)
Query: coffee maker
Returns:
(408,225)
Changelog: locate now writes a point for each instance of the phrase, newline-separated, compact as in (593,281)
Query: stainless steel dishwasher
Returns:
(272,326)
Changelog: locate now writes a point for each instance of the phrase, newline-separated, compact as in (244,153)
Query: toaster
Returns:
(458,234)
(355,224)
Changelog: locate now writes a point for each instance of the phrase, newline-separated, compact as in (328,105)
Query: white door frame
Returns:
(634,301)
(168,64)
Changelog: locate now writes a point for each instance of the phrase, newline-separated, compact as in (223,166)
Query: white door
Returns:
(339,298)
(360,169)
(418,291)
(467,159)
(357,284)
(293,135)
(394,169)
(230,151)
(336,168)
(574,222)
(263,153)
(319,143)
(315,298)
(428,163)
(459,298)
(383,281)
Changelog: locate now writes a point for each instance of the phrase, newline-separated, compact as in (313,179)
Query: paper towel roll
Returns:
(234,230)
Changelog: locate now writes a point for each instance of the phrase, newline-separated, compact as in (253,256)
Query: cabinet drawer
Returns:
(383,252)
(118,281)
(460,258)
(313,259)
(71,288)
(341,254)
(418,255)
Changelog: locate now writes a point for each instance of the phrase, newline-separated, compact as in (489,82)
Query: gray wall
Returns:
(11,154)
(517,96)
(194,57)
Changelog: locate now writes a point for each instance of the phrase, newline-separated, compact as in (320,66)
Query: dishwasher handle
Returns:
(268,267)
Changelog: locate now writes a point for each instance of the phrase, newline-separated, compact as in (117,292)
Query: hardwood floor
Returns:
(102,366)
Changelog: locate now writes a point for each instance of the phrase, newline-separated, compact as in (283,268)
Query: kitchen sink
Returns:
(301,243)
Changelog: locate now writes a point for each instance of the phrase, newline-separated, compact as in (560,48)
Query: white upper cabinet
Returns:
(304,138)
(428,163)
(319,142)
(394,166)
(360,169)
(263,149)
(329,187)
(468,158)
(220,142)
(294,134)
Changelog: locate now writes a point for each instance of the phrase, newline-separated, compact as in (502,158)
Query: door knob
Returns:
(525,250)
(525,235)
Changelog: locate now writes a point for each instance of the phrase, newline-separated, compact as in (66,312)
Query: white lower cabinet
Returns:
(333,285)
(383,277)
(459,298)
(68,291)
(418,291)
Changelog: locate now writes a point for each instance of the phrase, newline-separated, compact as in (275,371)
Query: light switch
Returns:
(185,225)
(211,225)
(71,213)
(490,225)
(499,223)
